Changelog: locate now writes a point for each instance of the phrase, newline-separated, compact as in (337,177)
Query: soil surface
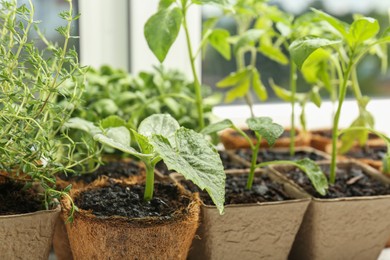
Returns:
(328,134)
(267,155)
(115,170)
(351,181)
(127,201)
(15,200)
(263,190)
(227,163)
(252,134)
(376,153)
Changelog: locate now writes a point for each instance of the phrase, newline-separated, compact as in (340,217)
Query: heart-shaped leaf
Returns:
(269,130)
(159,124)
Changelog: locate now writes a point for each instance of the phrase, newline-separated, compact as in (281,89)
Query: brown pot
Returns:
(343,228)
(252,231)
(27,236)
(122,238)
(233,140)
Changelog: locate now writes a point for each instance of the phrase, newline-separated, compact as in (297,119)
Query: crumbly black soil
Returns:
(115,170)
(351,181)
(127,201)
(267,155)
(15,200)
(227,162)
(263,190)
(369,152)
(252,134)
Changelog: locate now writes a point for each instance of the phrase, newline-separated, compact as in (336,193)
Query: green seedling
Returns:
(270,131)
(160,137)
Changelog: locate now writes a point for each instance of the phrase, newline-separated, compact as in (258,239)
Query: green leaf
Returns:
(315,96)
(216,127)
(315,175)
(269,130)
(258,86)
(301,49)
(112,121)
(285,94)
(238,91)
(273,53)
(233,79)
(164,4)
(197,160)
(363,29)
(161,31)
(386,163)
(385,37)
(314,65)
(340,26)
(119,134)
(82,124)
(159,124)
(219,40)
(222,3)
(143,142)
(105,107)
(250,37)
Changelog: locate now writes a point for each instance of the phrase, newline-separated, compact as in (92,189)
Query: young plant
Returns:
(161,31)
(348,44)
(31,141)
(160,137)
(265,128)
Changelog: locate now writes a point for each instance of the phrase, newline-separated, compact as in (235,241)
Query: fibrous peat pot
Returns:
(117,237)
(344,228)
(249,231)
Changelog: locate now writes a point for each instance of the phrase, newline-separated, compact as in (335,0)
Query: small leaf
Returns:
(340,26)
(266,128)
(112,121)
(285,94)
(232,79)
(315,175)
(219,40)
(143,142)
(119,134)
(161,31)
(273,53)
(159,124)
(258,86)
(386,163)
(250,37)
(315,96)
(197,160)
(164,4)
(240,90)
(385,37)
(222,3)
(314,65)
(82,124)
(301,49)
(216,127)
(363,29)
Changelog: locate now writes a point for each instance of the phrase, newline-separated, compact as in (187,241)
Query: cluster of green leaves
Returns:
(31,119)
(161,31)
(110,91)
(341,46)
(160,137)
(265,128)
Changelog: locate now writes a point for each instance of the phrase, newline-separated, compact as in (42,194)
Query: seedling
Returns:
(159,137)
(265,128)
(348,43)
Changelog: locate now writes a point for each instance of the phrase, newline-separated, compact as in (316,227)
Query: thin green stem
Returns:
(343,91)
(197,85)
(293,86)
(149,185)
(255,153)
(246,137)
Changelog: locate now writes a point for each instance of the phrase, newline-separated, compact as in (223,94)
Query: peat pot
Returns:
(345,227)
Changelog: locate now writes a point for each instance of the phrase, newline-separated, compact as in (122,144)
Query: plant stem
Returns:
(149,185)
(197,86)
(343,91)
(255,152)
(293,86)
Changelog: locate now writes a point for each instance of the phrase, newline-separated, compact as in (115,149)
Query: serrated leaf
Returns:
(112,121)
(142,142)
(238,91)
(196,160)
(82,124)
(219,40)
(161,31)
(315,175)
(159,124)
(362,29)
(250,37)
(258,86)
(302,48)
(232,79)
(268,130)
(285,94)
(216,127)
(273,53)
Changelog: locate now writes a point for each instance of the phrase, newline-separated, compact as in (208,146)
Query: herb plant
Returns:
(265,128)
(32,146)
(160,137)
(161,31)
(348,44)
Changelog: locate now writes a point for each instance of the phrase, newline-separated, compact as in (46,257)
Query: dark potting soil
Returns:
(115,170)
(370,152)
(227,162)
(350,182)
(263,190)
(15,200)
(127,201)
(267,155)
(252,134)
